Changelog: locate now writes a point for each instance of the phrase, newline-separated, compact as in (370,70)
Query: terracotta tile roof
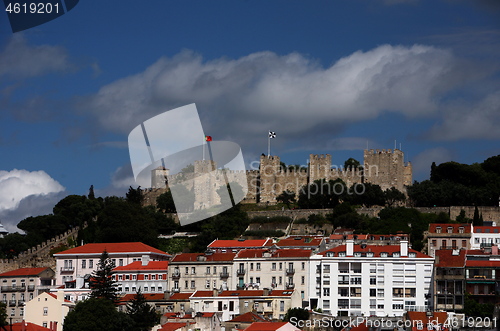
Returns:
(483,263)
(476,252)
(215,257)
(177,316)
(240,243)
(180,296)
(128,247)
(436,318)
(304,241)
(23,272)
(203,294)
(446,259)
(249,317)
(267,326)
(376,250)
(280,253)
(28,327)
(336,237)
(399,236)
(444,227)
(487,229)
(55,297)
(137,265)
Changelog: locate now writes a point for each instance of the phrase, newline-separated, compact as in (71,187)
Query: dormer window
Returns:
(438,229)
(383,254)
(330,254)
(396,254)
(461,229)
(357,254)
(412,254)
(450,229)
(478,230)
(369,254)
(341,254)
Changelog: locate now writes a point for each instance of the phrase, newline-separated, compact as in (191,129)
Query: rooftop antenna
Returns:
(395,146)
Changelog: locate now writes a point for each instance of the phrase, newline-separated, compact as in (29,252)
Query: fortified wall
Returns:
(382,167)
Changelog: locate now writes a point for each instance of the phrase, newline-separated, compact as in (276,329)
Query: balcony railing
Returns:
(240,272)
(290,271)
(290,285)
(13,288)
(224,274)
(12,303)
(20,302)
(67,269)
(176,275)
(31,287)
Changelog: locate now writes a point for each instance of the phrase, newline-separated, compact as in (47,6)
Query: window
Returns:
(438,229)
(215,271)
(326,291)
(193,270)
(282,305)
(251,266)
(127,277)
(84,264)
(231,305)
(273,266)
(326,304)
(281,280)
(120,277)
(146,277)
(127,289)
(281,266)
(208,270)
(21,311)
(13,312)
(120,262)
(215,284)
(257,280)
(373,292)
(434,243)
(302,280)
(258,265)
(343,291)
(160,277)
(397,306)
(273,280)
(134,277)
(303,266)
(186,283)
(187,270)
(45,311)
(450,229)
(153,277)
(373,280)
(91,263)
(134,289)
(464,243)
(207,283)
(461,229)
(192,284)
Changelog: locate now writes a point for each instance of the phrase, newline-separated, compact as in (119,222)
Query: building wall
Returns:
(197,277)
(45,309)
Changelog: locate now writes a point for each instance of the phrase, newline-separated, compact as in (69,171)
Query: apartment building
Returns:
(280,269)
(369,280)
(482,275)
(48,309)
(75,265)
(449,280)
(21,285)
(148,276)
(194,271)
(485,236)
(448,236)
(272,304)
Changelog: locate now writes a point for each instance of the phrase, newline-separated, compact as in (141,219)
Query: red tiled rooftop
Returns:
(483,264)
(446,259)
(305,241)
(24,272)
(375,249)
(28,327)
(487,229)
(128,247)
(215,257)
(55,297)
(203,294)
(444,227)
(172,326)
(178,316)
(137,265)
(265,326)
(249,317)
(280,253)
(181,296)
(147,296)
(240,243)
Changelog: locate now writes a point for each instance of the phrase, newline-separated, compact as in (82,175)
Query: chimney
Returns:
(23,325)
(145,260)
(494,250)
(349,247)
(404,247)
(54,325)
(267,292)
(60,296)
(51,326)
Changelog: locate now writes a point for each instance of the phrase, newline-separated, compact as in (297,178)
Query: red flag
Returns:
(208,138)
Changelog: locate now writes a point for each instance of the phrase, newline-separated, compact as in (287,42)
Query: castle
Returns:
(385,168)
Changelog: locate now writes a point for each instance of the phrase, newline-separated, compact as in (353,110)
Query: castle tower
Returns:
(159,177)
(204,182)
(269,170)
(319,167)
(386,168)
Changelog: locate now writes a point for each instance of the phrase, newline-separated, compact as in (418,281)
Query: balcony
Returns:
(224,274)
(176,275)
(12,303)
(13,288)
(290,285)
(176,290)
(290,271)
(20,302)
(240,272)
(31,287)
(67,269)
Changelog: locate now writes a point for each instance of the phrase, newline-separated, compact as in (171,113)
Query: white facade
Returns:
(485,236)
(48,308)
(356,280)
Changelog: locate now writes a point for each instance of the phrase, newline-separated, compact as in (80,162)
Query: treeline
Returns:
(456,184)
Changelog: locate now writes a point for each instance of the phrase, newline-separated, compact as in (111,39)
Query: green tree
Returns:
(134,195)
(300,314)
(351,163)
(102,284)
(287,197)
(392,196)
(143,315)
(97,314)
(91,192)
(3,314)
(165,202)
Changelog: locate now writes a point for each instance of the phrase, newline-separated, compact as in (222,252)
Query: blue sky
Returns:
(326,76)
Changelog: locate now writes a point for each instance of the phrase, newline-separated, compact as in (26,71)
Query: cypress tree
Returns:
(101,282)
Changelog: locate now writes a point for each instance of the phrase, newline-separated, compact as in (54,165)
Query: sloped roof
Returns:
(444,227)
(240,243)
(98,248)
(487,229)
(55,297)
(137,265)
(446,259)
(266,326)
(172,326)
(29,327)
(181,296)
(376,250)
(24,272)
(303,241)
(249,317)
(193,257)
(483,263)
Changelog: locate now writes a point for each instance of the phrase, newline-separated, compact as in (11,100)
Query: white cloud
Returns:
(423,161)
(289,93)
(17,185)
(19,59)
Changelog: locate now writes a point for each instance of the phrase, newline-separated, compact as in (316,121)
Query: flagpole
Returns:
(269,144)
(203,146)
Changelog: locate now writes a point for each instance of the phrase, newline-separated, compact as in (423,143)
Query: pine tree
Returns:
(144,315)
(101,282)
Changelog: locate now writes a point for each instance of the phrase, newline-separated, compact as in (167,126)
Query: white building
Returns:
(48,309)
(149,276)
(484,236)
(74,266)
(369,280)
